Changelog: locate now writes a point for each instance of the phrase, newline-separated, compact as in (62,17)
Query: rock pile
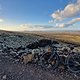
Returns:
(35,52)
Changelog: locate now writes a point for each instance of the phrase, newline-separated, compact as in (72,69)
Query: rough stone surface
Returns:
(13,47)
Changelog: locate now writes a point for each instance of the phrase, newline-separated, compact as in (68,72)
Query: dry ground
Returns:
(12,70)
(69,37)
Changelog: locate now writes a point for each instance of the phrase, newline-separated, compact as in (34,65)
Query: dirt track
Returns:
(18,71)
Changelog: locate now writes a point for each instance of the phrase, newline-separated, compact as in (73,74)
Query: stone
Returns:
(49,49)
(55,42)
(33,45)
(35,51)
(4,77)
(20,52)
(40,43)
(27,58)
(44,42)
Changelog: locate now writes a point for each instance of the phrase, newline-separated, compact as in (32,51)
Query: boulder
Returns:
(27,58)
(44,42)
(36,51)
(33,45)
(40,43)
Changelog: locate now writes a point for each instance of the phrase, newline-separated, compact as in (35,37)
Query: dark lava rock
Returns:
(40,43)
(20,48)
(55,42)
(44,42)
(33,45)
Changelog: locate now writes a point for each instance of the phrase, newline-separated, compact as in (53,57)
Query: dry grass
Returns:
(69,37)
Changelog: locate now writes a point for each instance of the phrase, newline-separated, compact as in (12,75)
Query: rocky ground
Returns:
(13,69)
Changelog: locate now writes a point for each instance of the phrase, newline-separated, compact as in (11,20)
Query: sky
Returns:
(34,15)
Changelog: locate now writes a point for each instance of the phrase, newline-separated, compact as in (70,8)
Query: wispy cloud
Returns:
(70,11)
(27,27)
(30,27)
(73,21)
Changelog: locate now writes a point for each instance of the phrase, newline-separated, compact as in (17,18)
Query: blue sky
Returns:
(39,12)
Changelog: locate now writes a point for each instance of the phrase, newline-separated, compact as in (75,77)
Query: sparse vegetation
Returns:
(68,37)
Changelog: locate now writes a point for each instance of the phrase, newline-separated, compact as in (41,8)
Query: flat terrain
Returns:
(11,69)
(69,37)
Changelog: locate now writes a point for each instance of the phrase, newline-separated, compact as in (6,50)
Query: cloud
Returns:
(70,10)
(51,21)
(1,20)
(27,27)
(73,21)
(30,27)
